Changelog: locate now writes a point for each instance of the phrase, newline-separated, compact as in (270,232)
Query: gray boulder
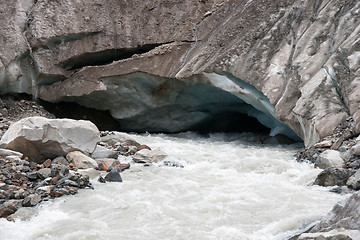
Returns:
(149,156)
(24,213)
(329,158)
(44,173)
(60,160)
(345,214)
(119,138)
(80,160)
(333,177)
(354,181)
(356,149)
(113,176)
(103,152)
(40,138)
(339,234)
(107,161)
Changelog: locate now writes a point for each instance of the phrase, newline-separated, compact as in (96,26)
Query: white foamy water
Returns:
(229,189)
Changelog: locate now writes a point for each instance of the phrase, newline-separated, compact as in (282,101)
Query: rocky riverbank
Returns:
(339,156)
(51,157)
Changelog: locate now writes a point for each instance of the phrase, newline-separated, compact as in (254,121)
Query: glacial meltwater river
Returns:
(229,188)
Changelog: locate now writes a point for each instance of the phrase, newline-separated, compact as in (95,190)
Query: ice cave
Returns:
(210,102)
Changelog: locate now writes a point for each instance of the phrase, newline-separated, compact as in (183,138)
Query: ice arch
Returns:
(206,102)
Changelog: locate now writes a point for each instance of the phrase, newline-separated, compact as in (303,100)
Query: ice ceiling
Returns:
(209,102)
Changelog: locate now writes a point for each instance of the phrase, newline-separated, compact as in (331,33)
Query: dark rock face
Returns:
(333,177)
(113,176)
(303,55)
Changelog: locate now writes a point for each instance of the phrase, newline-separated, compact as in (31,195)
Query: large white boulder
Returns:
(40,138)
(329,158)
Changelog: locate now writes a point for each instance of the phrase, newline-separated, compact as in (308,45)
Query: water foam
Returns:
(229,189)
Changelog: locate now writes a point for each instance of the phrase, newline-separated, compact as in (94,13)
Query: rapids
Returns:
(229,188)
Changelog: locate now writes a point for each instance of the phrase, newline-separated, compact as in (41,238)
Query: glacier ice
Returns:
(262,109)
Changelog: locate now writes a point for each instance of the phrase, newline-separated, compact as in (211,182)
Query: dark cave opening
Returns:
(231,121)
(224,121)
(102,119)
(105,57)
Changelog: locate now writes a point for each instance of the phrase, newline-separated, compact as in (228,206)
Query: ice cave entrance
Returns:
(206,103)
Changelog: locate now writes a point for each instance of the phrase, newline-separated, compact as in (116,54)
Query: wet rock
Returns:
(345,214)
(119,166)
(340,190)
(101,179)
(63,191)
(173,164)
(23,214)
(333,177)
(71,190)
(336,234)
(147,156)
(103,152)
(102,167)
(41,138)
(56,194)
(119,138)
(71,183)
(107,161)
(80,160)
(31,200)
(10,207)
(329,158)
(113,176)
(141,147)
(354,181)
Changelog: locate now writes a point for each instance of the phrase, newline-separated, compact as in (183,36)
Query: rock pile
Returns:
(338,156)
(123,144)
(24,183)
(43,157)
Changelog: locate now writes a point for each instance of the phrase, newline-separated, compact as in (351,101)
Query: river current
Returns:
(229,188)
